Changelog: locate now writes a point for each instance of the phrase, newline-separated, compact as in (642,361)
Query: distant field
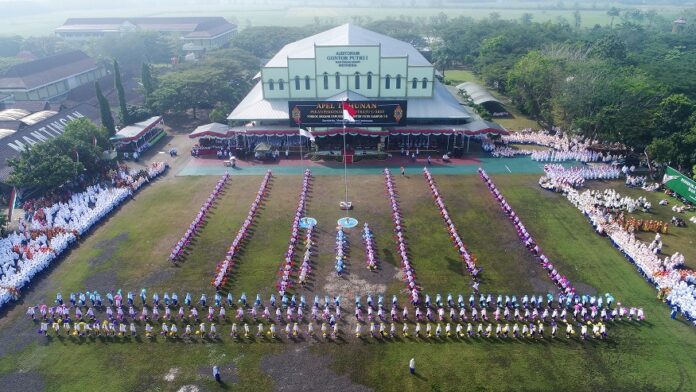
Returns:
(45,22)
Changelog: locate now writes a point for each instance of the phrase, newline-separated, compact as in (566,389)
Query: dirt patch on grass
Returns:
(102,279)
(17,335)
(108,249)
(22,382)
(348,286)
(297,369)
(189,388)
(171,374)
(158,277)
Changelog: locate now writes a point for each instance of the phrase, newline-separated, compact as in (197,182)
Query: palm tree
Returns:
(613,12)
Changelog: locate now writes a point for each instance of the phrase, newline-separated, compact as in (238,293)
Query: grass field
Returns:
(47,19)
(129,250)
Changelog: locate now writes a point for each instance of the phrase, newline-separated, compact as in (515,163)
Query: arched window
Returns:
(297,82)
(357,80)
(398,82)
(306,82)
(271,86)
(338,80)
(326,81)
(369,80)
(387,82)
(425,83)
(414,83)
(281,84)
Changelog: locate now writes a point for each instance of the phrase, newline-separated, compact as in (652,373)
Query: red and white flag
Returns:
(348,112)
(307,134)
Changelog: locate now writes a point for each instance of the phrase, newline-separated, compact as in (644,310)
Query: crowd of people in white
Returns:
(178,250)
(562,147)
(557,175)
(225,266)
(467,258)
(46,232)
(667,274)
(409,274)
(641,182)
(284,283)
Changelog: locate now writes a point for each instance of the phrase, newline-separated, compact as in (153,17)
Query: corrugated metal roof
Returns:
(194,27)
(38,117)
(136,130)
(40,72)
(477,93)
(348,34)
(13,114)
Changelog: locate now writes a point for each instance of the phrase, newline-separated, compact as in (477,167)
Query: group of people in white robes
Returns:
(667,274)
(46,232)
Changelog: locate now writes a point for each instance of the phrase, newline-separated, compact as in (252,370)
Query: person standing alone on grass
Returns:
(412,366)
(216,373)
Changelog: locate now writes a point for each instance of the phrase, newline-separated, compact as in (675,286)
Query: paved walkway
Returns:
(517,165)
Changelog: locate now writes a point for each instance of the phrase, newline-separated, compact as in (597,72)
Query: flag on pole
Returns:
(307,134)
(13,200)
(348,112)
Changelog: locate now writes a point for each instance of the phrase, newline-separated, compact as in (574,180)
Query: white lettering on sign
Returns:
(57,127)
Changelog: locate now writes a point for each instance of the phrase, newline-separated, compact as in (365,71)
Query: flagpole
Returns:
(299,128)
(345,163)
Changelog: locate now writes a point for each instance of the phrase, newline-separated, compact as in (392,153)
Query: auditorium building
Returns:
(391,85)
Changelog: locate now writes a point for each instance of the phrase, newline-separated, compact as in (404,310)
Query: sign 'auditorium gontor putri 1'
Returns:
(390,84)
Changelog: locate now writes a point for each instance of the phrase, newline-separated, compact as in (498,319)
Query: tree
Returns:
(44,46)
(613,12)
(147,81)
(54,162)
(138,113)
(219,115)
(609,47)
(577,18)
(531,84)
(10,46)
(132,49)
(118,84)
(3,222)
(107,119)
(673,115)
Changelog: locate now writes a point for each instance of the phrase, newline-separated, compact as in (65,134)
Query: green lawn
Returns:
(130,251)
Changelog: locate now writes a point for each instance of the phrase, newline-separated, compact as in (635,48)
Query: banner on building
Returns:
(330,113)
(680,184)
